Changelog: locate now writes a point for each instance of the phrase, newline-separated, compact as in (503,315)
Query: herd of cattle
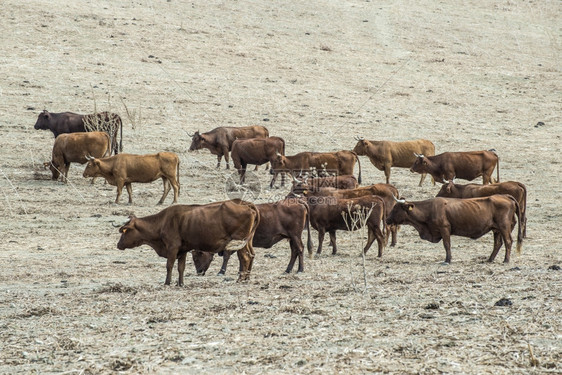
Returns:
(324,194)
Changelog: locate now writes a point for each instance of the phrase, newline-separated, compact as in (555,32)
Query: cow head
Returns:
(278,163)
(300,185)
(361,146)
(400,212)
(53,168)
(447,190)
(92,168)
(130,235)
(202,260)
(421,165)
(43,120)
(198,141)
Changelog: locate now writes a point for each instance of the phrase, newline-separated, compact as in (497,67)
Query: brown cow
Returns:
(256,151)
(68,122)
(281,220)
(328,214)
(385,191)
(465,165)
(219,140)
(386,154)
(314,184)
(124,169)
(516,189)
(339,162)
(439,218)
(76,148)
(215,227)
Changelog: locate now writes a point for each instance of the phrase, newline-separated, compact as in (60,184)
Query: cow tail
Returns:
(519,228)
(121,135)
(498,170)
(108,151)
(359,164)
(309,243)
(523,207)
(178,171)
(384,227)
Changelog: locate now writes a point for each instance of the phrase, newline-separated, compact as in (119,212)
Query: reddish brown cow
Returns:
(281,220)
(124,169)
(516,189)
(215,227)
(314,184)
(339,162)
(219,140)
(256,151)
(68,122)
(328,214)
(387,154)
(439,218)
(465,165)
(385,191)
(76,148)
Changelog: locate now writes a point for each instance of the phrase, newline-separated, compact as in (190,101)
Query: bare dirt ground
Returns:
(467,75)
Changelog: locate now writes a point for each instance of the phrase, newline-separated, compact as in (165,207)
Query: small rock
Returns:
(515,269)
(540,123)
(554,267)
(504,302)
(432,306)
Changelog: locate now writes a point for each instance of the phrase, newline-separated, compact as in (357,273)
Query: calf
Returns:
(219,140)
(465,165)
(221,226)
(68,122)
(76,148)
(387,154)
(516,189)
(124,169)
(439,218)
(256,151)
(281,220)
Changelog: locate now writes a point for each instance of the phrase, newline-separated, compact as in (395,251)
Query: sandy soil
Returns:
(468,75)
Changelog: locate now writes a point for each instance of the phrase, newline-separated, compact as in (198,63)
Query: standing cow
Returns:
(68,122)
(516,189)
(465,165)
(176,230)
(281,220)
(387,154)
(256,151)
(439,218)
(339,162)
(219,140)
(124,169)
(76,148)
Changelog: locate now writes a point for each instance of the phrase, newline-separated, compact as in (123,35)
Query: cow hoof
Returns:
(445,263)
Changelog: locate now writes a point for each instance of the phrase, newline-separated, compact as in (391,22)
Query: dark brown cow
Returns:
(314,184)
(281,220)
(124,169)
(76,148)
(219,140)
(256,151)
(385,191)
(68,122)
(215,227)
(439,218)
(516,189)
(339,162)
(327,215)
(465,165)
(387,154)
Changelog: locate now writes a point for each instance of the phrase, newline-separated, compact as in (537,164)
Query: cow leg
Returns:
(333,242)
(273,180)
(226,158)
(296,251)
(508,241)
(446,235)
(422,179)
(181,268)
(130,192)
(225,258)
(387,173)
(219,157)
(66,168)
(497,245)
(169,268)
(167,188)
(282,178)
(370,239)
(120,185)
(256,168)
(246,259)
(243,172)
(267,166)
(176,185)
(392,230)
(321,233)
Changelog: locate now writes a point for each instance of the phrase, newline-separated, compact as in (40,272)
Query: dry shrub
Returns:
(117,288)
(38,311)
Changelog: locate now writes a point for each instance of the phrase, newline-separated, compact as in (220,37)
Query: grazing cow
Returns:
(340,163)
(68,122)
(256,151)
(385,191)
(281,220)
(315,184)
(328,214)
(124,169)
(516,189)
(219,140)
(221,226)
(386,154)
(76,148)
(439,218)
(465,165)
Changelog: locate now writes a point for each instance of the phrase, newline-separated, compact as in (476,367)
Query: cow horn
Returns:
(278,154)
(89,157)
(398,200)
(189,135)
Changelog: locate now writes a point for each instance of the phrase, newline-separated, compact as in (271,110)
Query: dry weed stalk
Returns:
(356,219)
(134,118)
